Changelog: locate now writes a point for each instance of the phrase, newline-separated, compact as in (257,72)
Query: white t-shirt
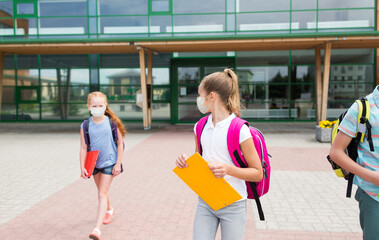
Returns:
(215,148)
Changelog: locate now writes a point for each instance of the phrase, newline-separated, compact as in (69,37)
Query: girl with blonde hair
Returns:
(219,96)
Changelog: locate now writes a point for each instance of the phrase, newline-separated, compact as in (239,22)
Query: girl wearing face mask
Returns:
(219,96)
(108,163)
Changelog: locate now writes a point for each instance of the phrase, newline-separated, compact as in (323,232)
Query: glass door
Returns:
(186,75)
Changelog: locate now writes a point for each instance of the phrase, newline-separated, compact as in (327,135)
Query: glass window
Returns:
(27,61)
(119,60)
(55,111)
(120,76)
(264,21)
(161,76)
(262,58)
(344,19)
(9,78)
(198,6)
(303,56)
(160,24)
(64,61)
(51,93)
(118,25)
(189,75)
(122,7)
(26,26)
(259,5)
(28,112)
(6,9)
(303,74)
(198,23)
(8,112)
(25,8)
(8,95)
(301,4)
(27,77)
(6,27)
(188,112)
(63,8)
(327,4)
(300,20)
(161,94)
(366,74)
(59,26)
(160,5)
(352,56)
(64,76)
(161,111)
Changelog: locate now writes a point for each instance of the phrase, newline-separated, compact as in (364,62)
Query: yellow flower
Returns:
(326,124)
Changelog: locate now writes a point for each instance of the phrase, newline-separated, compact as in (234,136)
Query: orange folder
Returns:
(90,162)
(216,192)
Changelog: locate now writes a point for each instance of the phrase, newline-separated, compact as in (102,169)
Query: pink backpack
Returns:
(254,189)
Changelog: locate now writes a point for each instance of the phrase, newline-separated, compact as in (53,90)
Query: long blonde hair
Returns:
(108,111)
(225,84)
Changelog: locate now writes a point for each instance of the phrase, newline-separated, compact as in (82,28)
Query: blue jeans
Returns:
(368,215)
(232,219)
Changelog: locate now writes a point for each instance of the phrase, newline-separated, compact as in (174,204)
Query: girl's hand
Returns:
(116,169)
(84,173)
(181,161)
(219,169)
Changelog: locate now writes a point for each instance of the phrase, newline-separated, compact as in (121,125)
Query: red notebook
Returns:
(90,162)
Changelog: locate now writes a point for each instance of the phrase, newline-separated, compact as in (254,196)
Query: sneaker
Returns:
(95,234)
(108,217)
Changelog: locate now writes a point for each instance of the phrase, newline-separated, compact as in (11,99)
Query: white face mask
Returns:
(97,111)
(201,106)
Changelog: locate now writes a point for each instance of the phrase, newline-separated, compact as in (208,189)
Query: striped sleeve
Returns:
(349,123)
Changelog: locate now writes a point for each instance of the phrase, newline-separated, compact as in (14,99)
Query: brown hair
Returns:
(108,111)
(225,84)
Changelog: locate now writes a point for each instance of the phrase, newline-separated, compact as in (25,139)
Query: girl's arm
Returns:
(82,154)
(252,173)
(120,151)
(339,156)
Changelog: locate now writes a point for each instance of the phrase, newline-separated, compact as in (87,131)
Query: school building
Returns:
(296,60)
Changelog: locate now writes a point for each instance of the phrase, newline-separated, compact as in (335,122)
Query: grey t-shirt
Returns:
(101,139)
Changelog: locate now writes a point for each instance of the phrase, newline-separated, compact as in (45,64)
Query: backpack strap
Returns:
(199,130)
(113,125)
(236,155)
(363,122)
(86,133)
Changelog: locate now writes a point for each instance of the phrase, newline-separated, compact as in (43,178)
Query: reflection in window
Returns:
(6,9)
(198,23)
(27,77)
(198,6)
(344,19)
(114,25)
(265,21)
(62,8)
(327,4)
(25,8)
(188,75)
(57,26)
(259,5)
(160,5)
(120,76)
(122,7)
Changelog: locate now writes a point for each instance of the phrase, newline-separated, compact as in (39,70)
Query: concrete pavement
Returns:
(42,196)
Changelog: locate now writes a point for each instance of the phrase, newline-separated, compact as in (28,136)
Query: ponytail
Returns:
(108,111)
(225,84)
(115,119)
(234,101)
